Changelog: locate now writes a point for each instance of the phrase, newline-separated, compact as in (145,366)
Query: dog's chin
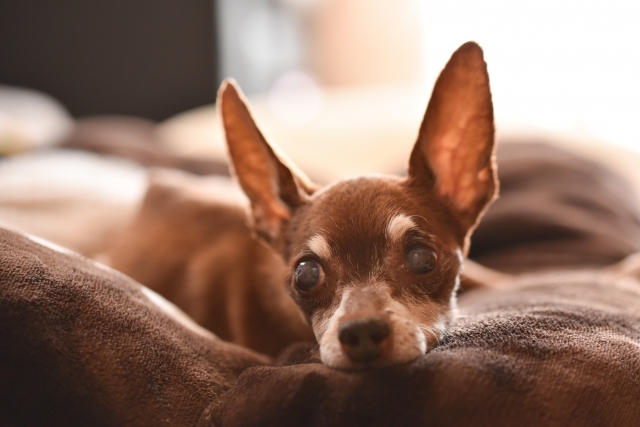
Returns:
(348,365)
(344,363)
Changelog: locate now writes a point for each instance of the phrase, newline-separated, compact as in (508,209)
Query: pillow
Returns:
(77,200)
(83,345)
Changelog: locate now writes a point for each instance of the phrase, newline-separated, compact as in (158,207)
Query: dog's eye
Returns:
(307,275)
(420,260)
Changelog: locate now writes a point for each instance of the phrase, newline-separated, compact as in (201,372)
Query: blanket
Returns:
(556,210)
(561,349)
(83,345)
(135,139)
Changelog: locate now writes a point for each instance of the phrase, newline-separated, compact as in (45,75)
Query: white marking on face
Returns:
(331,352)
(321,318)
(409,341)
(453,300)
(433,333)
(319,246)
(398,226)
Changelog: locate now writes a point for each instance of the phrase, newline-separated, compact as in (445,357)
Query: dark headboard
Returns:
(150,58)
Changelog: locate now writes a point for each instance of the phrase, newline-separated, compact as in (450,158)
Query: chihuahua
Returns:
(374,262)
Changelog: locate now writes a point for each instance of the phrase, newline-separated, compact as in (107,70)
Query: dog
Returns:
(374,262)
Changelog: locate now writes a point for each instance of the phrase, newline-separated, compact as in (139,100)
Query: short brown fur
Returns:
(452,179)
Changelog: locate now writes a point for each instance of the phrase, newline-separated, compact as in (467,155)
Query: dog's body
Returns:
(374,262)
(191,244)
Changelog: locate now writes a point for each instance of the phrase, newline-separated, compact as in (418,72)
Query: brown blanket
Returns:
(560,350)
(82,345)
(556,210)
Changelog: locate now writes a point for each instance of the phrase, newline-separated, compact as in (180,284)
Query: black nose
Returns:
(362,339)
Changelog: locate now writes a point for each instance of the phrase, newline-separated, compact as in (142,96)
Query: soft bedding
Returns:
(81,344)
(556,350)
(84,345)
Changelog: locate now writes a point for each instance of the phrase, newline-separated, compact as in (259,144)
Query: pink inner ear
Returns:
(459,176)
(269,217)
(455,144)
(270,185)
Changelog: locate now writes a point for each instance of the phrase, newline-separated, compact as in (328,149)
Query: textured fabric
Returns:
(556,210)
(82,345)
(555,349)
(560,350)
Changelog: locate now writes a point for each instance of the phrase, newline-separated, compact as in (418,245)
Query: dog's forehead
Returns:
(359,205)
(354,217)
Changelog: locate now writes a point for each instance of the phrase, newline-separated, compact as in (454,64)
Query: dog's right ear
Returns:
(274,188)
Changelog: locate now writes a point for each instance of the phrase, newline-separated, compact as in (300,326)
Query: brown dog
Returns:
(374,262)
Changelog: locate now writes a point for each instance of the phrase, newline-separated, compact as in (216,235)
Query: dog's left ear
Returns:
(274,187)
(454,154)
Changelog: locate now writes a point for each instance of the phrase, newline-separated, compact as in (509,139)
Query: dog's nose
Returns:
(362,339)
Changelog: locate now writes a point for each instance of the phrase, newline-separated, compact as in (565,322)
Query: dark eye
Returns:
(307,275)
(420,260)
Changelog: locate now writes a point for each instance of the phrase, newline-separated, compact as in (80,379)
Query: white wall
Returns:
(564,66)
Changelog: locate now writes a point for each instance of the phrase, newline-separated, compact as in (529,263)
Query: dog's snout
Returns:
(362,339)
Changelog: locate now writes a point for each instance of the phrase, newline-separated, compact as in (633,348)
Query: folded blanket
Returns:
(555,350)
(83,345)
(556,210)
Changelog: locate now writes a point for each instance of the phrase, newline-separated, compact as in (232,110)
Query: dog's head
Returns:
(374,262)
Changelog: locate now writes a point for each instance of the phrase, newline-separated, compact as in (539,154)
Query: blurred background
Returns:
(339,85)
(562,66)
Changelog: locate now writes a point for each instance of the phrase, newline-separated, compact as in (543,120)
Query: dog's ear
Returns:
(274,188)
(454,154)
